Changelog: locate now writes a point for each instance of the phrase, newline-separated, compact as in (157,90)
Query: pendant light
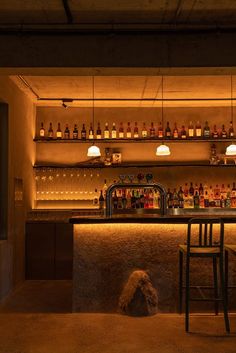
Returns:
(162,150)
(231,149)
(93,151)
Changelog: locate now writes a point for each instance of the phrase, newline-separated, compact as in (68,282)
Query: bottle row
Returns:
(187,197)
(136,131)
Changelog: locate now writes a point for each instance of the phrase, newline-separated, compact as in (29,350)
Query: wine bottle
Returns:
(128,131)
(190,130)
(152,130)
(168,130)
(223,132)
(91,133)
(121,131)
(42,131)
(206,131)
(83,133)
(183,132)
(136,134)
(59,132)
(196,200)
(75,132)
(113,131)
(67,132)
(106,132)
(198,129)
(99,132)
(231,130)
(144,131)
(50,131)
(160,131)
(175,132)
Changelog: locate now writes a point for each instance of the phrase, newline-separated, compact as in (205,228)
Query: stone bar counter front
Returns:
(108,251)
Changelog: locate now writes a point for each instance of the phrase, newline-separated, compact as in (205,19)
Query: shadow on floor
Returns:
(40,297)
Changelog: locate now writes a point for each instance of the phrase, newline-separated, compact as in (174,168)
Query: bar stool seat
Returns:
(204,244)
(198,250)
(231,248)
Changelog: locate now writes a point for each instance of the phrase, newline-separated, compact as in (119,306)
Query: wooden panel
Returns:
(40,251)
(64,251)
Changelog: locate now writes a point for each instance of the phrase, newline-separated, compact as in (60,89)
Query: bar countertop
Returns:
(227,217)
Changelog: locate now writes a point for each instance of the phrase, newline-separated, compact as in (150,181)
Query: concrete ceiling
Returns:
(128,87)
(208,12)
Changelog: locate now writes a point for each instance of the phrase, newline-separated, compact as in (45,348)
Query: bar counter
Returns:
(107,250)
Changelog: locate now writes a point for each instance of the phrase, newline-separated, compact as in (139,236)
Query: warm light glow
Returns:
(94,151)
(231,150)
(163,150)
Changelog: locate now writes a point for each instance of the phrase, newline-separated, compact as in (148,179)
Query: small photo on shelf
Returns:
(116,158)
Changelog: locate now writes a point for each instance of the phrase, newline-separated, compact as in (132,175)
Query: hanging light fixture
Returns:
(162,150)
(93,151)
(231,149)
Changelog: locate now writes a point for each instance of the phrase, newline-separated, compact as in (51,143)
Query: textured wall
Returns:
(106,254)
(21,159)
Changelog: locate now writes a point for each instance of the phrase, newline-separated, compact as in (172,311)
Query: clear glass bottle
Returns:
(106,132)
(198,129)
(128,131)
(91,133)
(136,134)
(59,132)
(121,131)
(144,131)
(190,130)
(113,131)
(42,131)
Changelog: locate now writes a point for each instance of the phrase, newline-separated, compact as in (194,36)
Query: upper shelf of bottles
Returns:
(129,140)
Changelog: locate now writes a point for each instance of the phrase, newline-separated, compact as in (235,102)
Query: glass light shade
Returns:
(94,151)
(163,150)
(231,150)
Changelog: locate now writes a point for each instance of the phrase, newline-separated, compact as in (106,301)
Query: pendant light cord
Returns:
(162,108)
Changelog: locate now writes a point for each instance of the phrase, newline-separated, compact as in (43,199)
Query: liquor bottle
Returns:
(119,196)
(191,189)
(231,130)
(83,132)
(196,200)
(169,199)
(168,130)
(133,200)
(121,131)
(150,199)
(223,132)
(228,199)
(215,133)
(183,133)
(146,198)
(128,197)
(42,131)
(175,199)
(233,196)
(217,195)
(175,132)
(101,200)
(181,197)
(152,130)
(59,132)
(104,189)
(128,131)
(211,197)
(106,132)
(113,131)
(186,198)
(50,131)
(142,199)
(67,133)
(198,129)
(201,190)
(91,133)
(223,192)
(206,131)
(201,201)
(124,200)
(75,133)
(190,130)
(206,199)
(136,134)
(99,132)
(96,198)
(160,131)
(144,131)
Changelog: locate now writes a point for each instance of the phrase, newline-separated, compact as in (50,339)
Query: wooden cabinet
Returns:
(49,250)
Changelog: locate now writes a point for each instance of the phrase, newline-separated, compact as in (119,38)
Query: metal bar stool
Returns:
(204,246)
(229,249)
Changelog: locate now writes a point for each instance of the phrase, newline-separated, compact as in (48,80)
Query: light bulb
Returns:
(94,151)
(163,150)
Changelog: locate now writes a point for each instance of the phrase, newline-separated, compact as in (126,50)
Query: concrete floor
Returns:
(29,326)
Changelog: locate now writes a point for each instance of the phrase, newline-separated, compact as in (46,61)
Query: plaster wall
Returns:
(21,158)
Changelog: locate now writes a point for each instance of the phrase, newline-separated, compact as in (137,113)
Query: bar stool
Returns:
(229,248)
(204,246)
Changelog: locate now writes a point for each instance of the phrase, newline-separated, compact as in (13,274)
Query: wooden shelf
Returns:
(137,165)
(137,140)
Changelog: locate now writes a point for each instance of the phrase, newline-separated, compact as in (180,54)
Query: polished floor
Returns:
(36,318)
